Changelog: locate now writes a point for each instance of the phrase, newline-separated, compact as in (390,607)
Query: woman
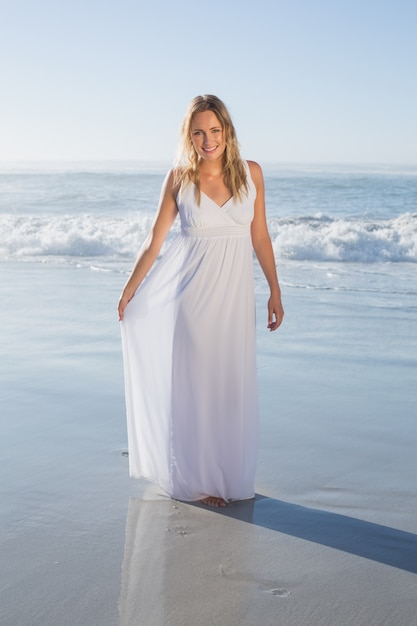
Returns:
(188,329)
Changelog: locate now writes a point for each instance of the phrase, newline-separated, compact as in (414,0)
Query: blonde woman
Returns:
(188,328)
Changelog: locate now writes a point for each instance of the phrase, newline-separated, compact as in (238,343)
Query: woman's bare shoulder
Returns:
(172,181)
(255,172)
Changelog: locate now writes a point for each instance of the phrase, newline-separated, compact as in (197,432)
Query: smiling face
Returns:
(207,136)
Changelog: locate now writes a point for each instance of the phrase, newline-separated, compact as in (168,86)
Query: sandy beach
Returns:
(331,536)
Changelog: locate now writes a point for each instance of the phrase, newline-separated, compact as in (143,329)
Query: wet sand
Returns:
(329,539)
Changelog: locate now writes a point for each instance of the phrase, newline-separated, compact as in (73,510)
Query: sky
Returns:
(306,81)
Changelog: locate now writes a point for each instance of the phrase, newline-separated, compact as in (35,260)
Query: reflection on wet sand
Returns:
(178,558)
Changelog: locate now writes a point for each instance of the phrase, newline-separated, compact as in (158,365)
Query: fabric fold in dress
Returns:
(189,352)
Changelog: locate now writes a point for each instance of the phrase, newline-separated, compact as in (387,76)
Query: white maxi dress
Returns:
(189,353)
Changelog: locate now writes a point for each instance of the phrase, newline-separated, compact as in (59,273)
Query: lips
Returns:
(210,149)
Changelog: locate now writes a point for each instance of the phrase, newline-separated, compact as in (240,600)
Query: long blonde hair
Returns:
(186,162)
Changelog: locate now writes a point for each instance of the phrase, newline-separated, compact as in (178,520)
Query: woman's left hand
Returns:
(275,312)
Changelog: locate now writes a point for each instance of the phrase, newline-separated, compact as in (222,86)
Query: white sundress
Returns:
(189,354)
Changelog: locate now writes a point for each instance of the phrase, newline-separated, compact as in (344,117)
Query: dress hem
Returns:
(196,499)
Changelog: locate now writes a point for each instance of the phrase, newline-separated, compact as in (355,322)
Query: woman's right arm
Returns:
(165,217)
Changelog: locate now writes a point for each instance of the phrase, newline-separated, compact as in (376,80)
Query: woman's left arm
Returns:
(262,245)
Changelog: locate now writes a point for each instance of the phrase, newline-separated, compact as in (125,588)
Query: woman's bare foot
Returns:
(213,501)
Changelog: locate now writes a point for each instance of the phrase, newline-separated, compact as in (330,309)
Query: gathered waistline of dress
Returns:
(238,230)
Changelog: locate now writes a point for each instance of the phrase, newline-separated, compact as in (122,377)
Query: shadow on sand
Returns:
(365,539)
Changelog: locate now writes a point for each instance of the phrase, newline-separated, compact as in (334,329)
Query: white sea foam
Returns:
(318,238)
(73,236)
(346,240)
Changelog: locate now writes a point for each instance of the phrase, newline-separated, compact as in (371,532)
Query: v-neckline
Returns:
(219,206)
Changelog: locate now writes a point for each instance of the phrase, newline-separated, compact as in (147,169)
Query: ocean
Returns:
(96,215)
(340,228)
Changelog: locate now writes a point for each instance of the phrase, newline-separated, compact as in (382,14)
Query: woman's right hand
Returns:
(123,302)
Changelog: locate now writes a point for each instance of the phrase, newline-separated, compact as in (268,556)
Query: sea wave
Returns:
(346,240)
(72,236)
(310,238)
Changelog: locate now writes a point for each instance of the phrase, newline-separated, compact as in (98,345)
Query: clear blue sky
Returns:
(305,80)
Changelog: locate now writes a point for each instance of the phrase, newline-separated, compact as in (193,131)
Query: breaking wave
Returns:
(308,238)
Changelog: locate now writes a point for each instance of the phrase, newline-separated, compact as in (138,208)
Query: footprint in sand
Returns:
(180,530)
(281,593)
